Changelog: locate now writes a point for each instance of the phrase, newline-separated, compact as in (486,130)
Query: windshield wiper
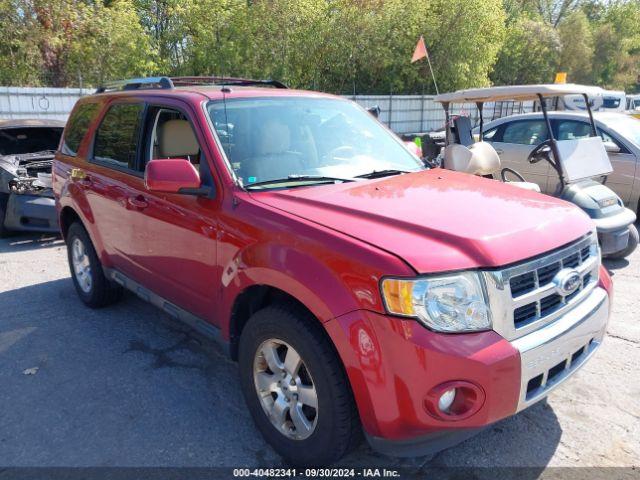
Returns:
(306,179)
(382,173)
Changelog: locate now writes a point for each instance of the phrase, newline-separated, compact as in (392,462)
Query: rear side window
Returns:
(117,137)
(77,126)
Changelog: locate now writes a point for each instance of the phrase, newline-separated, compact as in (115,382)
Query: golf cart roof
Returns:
(516,92)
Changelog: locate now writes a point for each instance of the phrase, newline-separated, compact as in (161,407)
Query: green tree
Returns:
(529,54)
(577,51)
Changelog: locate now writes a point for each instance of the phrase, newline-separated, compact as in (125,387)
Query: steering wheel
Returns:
(505,170)
(539,152)
(345,151)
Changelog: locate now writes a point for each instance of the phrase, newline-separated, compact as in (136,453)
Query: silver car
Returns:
(516,136)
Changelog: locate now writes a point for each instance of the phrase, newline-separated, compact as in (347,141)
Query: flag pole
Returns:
(421,52)
(432,75)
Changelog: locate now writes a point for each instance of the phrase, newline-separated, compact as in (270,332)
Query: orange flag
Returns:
(421,50)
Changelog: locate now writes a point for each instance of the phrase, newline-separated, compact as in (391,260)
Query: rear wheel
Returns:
(93,287)
(295,387)
(631,245)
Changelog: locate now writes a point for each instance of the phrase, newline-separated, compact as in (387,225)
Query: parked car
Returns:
(516,136)
(633,105)
(358,290)
(27,148)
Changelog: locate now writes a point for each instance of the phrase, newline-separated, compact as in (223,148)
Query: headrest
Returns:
(463,131)
(176,139)
(478,159)
(275,137)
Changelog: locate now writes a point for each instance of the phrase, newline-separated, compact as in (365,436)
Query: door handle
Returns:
(78,174)
(138,202)
(499,151)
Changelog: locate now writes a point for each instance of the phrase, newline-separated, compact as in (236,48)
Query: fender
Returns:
(326,292)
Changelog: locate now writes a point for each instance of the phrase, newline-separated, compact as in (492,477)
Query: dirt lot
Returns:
(125,386)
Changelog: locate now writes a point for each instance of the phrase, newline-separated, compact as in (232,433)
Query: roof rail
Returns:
(137,84)
(172,82)
(225,81)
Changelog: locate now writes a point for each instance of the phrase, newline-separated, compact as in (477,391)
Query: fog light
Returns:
(446,400)
(454,400)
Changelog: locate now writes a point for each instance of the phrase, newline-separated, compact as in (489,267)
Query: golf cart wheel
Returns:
(93,287)
(631,246)
(295,387)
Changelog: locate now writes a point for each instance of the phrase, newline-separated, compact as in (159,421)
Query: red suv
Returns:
(358,290)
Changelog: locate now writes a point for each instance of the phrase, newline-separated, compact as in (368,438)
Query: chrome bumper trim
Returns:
(561,348)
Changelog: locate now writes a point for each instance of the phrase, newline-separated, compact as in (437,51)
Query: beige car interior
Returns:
(476,158)
(272,156)
(174,138)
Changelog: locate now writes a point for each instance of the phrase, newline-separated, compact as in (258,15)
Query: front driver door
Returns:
(514,141)
(175,241)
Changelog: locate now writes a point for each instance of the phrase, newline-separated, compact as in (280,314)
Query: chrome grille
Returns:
(524,297)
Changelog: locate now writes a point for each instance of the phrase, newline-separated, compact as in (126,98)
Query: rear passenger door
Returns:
(514,141)
(113,178)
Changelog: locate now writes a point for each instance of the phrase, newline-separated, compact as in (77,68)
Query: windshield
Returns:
(627,126)
(15,141)
(275,138)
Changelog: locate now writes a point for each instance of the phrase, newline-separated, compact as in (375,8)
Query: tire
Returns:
(335,423)
(93,287)
(631,246)
(4,232)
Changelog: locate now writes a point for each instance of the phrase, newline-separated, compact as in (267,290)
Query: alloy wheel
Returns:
(285,389)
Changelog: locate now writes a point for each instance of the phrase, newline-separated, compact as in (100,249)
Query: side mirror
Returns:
(611,147)
(375,111)
(171,176)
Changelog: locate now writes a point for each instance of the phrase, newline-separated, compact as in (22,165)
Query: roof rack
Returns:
(172,82)
(229,81)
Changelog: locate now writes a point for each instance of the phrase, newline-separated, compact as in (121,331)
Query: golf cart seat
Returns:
(478,159)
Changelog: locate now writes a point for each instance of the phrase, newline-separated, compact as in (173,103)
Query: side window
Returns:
(77,126)
(525,132)
(490,135)
(117,137)
(573,130)
(172,136)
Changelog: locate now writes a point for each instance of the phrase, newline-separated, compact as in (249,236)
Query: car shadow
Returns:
(126,385)
(29,241)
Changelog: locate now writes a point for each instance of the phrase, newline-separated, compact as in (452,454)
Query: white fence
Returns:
(419,113)
(53,103)
(402,113)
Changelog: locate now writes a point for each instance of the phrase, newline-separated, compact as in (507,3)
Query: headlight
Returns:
(447,303)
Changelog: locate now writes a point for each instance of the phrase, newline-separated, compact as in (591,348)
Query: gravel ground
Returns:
(126,386)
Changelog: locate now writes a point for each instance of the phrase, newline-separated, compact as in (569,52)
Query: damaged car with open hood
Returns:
(27,147)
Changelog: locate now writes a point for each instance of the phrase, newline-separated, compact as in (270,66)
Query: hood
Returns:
(439,220)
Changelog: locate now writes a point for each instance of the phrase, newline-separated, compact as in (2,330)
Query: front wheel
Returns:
(631,245)
(295,387)
(4,200)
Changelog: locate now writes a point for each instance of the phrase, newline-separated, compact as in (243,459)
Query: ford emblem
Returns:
(567,281)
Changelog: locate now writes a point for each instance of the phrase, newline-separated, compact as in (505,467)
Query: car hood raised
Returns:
(438,220)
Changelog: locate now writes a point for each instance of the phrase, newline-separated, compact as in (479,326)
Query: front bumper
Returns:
(552,354)
(613,231)
(31,213)
(394,363)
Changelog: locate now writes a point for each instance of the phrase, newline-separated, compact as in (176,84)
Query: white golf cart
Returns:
(579,163)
